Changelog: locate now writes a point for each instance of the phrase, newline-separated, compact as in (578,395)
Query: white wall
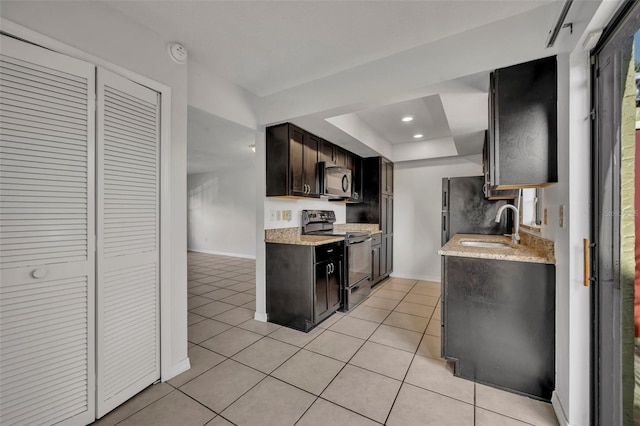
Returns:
(296,206)
(221,212)
(417,213)
(109,36)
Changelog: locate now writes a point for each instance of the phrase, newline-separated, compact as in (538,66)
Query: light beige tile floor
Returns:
(378,364)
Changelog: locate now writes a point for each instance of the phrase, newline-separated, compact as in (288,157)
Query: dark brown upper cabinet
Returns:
(490,191)
(356,182)
(522,144)
(333,154)
(292,160)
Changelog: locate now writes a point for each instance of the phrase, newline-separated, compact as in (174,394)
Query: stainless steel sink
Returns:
(485,244)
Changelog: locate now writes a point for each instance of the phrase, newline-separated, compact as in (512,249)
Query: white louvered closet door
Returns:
(47,217)
(128,164)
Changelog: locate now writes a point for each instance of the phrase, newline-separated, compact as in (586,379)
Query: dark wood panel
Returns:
(499,323)
(296,161)
(525,112)
(310,162)
(277,158)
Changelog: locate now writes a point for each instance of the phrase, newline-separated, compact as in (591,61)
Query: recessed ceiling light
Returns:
(252,148)
(418,135)
(407,118)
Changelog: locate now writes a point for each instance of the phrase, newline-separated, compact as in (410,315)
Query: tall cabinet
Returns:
(377,207)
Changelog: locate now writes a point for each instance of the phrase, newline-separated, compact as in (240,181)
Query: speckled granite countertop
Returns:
(531,248)
(292,236)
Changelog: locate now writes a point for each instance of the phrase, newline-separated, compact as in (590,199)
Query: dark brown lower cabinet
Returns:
(498,323)
(303,283)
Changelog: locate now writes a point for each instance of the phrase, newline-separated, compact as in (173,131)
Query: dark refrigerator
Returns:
(466,211)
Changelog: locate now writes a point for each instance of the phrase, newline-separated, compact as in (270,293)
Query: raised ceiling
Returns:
(292,52)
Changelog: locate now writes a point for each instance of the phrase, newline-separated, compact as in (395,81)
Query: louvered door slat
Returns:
(128,235)
(47,269)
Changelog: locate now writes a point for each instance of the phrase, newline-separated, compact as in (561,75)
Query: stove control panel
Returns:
(318,216)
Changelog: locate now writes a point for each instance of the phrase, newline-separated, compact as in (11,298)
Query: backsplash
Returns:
(539,243)
(296,205)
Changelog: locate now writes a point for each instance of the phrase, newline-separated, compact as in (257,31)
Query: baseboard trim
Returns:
(559,410)
(415,277)
(177,369)
(222,253)
(259,316)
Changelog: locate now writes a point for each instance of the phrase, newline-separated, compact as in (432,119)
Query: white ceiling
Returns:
(269,46)
(272,48)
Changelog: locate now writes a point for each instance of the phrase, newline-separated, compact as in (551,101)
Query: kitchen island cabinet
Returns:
(303,283)
(498,323)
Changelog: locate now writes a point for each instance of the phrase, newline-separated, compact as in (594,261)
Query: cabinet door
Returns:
(325,152)
(388,242)
(375,263)
(383,257)
(296,164)
(384,214)
(348,160)
(356,169)
(390,215)
(334,281)
(340,157)
(321,302)
(384,182)
(388,171)
(526,123)
(310,163)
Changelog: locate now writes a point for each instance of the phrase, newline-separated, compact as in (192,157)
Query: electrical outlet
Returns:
(544,220)
(278,215)
(561,216)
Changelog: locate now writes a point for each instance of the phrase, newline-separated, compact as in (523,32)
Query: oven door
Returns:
(359,261)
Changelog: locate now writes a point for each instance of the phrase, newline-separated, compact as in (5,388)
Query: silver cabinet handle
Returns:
(328,269)
(39,273)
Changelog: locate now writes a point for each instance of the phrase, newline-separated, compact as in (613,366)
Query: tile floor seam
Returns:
(349,409)
(348,363)
(137,411)
(504,415)
(200,403)
(404,380)
(280,365)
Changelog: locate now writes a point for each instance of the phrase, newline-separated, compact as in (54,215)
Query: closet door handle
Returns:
(39,273)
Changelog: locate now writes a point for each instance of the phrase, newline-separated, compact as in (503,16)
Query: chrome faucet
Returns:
(515,237)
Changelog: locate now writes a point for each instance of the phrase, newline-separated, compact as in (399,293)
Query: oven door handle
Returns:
(359,242)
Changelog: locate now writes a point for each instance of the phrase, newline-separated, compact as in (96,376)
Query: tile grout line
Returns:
(386,420)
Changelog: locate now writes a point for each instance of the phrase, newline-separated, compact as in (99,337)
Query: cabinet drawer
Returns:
(328,251)
(376,239)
